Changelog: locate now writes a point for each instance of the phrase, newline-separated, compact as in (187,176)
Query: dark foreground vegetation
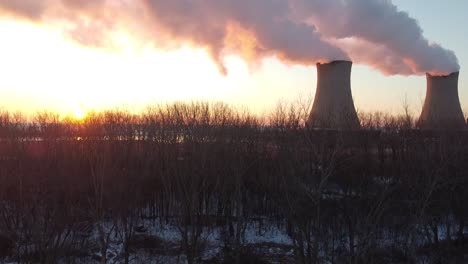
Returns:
(70,191)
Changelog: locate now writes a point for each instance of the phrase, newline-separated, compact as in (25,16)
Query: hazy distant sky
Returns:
(41,68)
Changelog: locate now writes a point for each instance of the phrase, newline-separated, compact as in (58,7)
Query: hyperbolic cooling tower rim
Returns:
(333,62)
(430,75)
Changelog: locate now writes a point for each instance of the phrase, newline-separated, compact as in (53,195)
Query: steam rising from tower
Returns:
(372,32)
(333,106)
(442,108)
(379,34)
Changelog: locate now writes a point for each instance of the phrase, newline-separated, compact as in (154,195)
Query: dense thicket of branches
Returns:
(386,194)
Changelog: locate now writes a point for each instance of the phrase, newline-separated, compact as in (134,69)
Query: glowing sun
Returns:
(79,113)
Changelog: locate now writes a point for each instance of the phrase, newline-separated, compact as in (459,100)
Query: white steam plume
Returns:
(267,22)
(381,23)
(372,32)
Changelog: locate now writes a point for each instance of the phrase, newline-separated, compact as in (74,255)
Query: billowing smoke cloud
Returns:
(372,32)
(89,22)
(208,23)
(381,23)
(375,56)
(31,9)
(35,9)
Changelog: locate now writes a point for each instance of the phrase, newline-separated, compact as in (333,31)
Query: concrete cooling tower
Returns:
(442,108)
(333,106)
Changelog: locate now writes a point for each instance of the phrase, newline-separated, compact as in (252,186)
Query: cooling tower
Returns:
(442,108)
(333,106)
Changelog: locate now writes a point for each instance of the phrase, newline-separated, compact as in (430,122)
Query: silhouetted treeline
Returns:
(388,193)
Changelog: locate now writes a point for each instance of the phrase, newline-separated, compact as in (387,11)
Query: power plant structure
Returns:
(333,106)
(442,109)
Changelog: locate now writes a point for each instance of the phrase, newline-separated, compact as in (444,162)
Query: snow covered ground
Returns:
(161,243)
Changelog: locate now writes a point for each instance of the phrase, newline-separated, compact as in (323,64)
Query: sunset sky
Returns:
(63,59)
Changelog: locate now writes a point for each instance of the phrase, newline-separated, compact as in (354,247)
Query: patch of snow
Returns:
(267,234)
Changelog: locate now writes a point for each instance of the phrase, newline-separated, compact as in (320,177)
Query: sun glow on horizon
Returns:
(79,113)
(43,69)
